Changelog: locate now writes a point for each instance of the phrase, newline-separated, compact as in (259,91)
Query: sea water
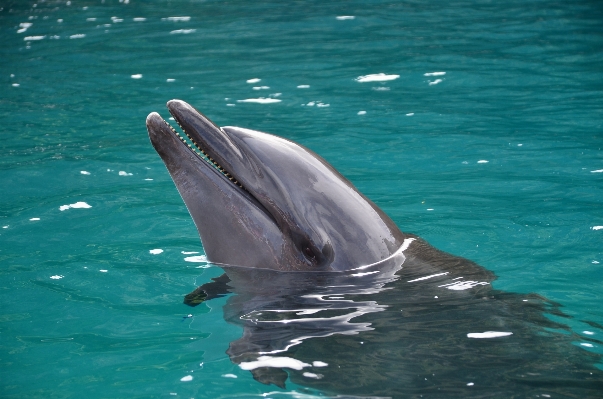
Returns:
(477,125)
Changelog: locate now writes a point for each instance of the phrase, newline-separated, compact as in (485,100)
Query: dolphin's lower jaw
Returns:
(262,201)
(213,198)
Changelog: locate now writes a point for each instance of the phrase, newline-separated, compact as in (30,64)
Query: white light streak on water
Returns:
(377,77)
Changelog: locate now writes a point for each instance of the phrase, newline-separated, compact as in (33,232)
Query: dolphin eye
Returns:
(308,253)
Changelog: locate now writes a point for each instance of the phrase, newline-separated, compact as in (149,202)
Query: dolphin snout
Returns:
(153,120)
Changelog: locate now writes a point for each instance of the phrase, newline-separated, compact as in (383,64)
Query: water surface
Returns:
(485,141)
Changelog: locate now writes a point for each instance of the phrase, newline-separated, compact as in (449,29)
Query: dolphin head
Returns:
(263,201)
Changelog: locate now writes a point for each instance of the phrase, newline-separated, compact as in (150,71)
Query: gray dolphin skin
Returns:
(289,210)
(332,295)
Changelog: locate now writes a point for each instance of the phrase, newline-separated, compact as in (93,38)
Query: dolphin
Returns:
(266,202)
(328,288)
(262,201)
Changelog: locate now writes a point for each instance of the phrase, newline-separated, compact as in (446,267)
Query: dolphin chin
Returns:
(262,201)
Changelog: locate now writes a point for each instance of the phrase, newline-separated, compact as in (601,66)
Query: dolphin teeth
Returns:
(202,154)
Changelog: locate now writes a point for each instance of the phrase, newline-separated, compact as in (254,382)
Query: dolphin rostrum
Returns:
(330,289)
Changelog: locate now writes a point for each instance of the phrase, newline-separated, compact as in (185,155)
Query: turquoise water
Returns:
(497,160)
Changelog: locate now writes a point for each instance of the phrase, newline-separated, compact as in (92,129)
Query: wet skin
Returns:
(294,211)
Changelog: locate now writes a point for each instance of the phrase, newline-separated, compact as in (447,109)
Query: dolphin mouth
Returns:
(196,148)
(203,138)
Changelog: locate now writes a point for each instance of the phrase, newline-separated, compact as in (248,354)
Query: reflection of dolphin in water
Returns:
(328,288)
